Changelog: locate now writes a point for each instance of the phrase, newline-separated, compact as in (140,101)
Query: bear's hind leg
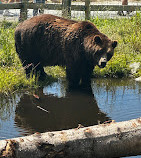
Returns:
(34,68)
(40,73)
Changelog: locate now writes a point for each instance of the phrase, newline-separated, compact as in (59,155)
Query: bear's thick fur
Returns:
(48,40)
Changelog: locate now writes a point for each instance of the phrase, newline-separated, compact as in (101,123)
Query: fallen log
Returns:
(100,141)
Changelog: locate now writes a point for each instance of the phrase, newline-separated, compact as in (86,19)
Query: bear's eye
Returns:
(109,56)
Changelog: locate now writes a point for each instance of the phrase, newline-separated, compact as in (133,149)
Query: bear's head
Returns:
(99,48)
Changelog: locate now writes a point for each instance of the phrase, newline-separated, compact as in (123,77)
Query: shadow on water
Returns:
(53,108)
(65,109)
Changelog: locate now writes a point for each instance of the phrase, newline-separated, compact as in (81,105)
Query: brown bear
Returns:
(49,40)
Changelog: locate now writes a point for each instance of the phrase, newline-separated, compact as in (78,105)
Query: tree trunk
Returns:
(100,141)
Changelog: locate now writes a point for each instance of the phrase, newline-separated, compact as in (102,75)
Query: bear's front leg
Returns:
(86,77)
(73,78)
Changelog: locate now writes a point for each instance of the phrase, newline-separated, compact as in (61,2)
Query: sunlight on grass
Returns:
(12,75)
(127,31)
(12,79)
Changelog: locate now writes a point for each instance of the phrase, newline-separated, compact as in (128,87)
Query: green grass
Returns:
(12,76)
(127,31)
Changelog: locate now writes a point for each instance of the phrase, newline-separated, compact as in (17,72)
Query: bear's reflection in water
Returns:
(77,107)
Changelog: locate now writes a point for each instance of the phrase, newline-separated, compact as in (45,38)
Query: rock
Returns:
(138,79)
(134,67)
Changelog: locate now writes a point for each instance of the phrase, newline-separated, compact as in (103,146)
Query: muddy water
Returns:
(54,108)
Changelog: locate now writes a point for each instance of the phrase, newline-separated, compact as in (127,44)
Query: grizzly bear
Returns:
(49,40)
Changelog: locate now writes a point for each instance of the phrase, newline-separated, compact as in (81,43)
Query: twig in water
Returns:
(36,96)
(27,66)
(42,109)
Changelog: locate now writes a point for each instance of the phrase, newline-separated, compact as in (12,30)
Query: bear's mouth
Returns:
(102,64)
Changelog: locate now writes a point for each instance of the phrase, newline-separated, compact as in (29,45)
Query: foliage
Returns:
(127,32)
(56,71)
(12,76)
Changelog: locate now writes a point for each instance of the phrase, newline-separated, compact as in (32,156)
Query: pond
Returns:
(53,108)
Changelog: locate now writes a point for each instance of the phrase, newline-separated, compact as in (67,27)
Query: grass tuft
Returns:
(12,76)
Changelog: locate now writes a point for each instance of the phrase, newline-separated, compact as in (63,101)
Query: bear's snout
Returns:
(102,62)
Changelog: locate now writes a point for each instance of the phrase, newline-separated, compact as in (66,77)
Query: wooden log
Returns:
(73,7)
(115,7)
(66,9)
(23,11)
(100,141)
(44,6)
(87,9)
(10,6)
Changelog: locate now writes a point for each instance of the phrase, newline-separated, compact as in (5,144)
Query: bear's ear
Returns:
(89,26)
(114,44)
(97,39)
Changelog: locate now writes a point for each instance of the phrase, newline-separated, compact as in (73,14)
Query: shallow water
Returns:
(53,108)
